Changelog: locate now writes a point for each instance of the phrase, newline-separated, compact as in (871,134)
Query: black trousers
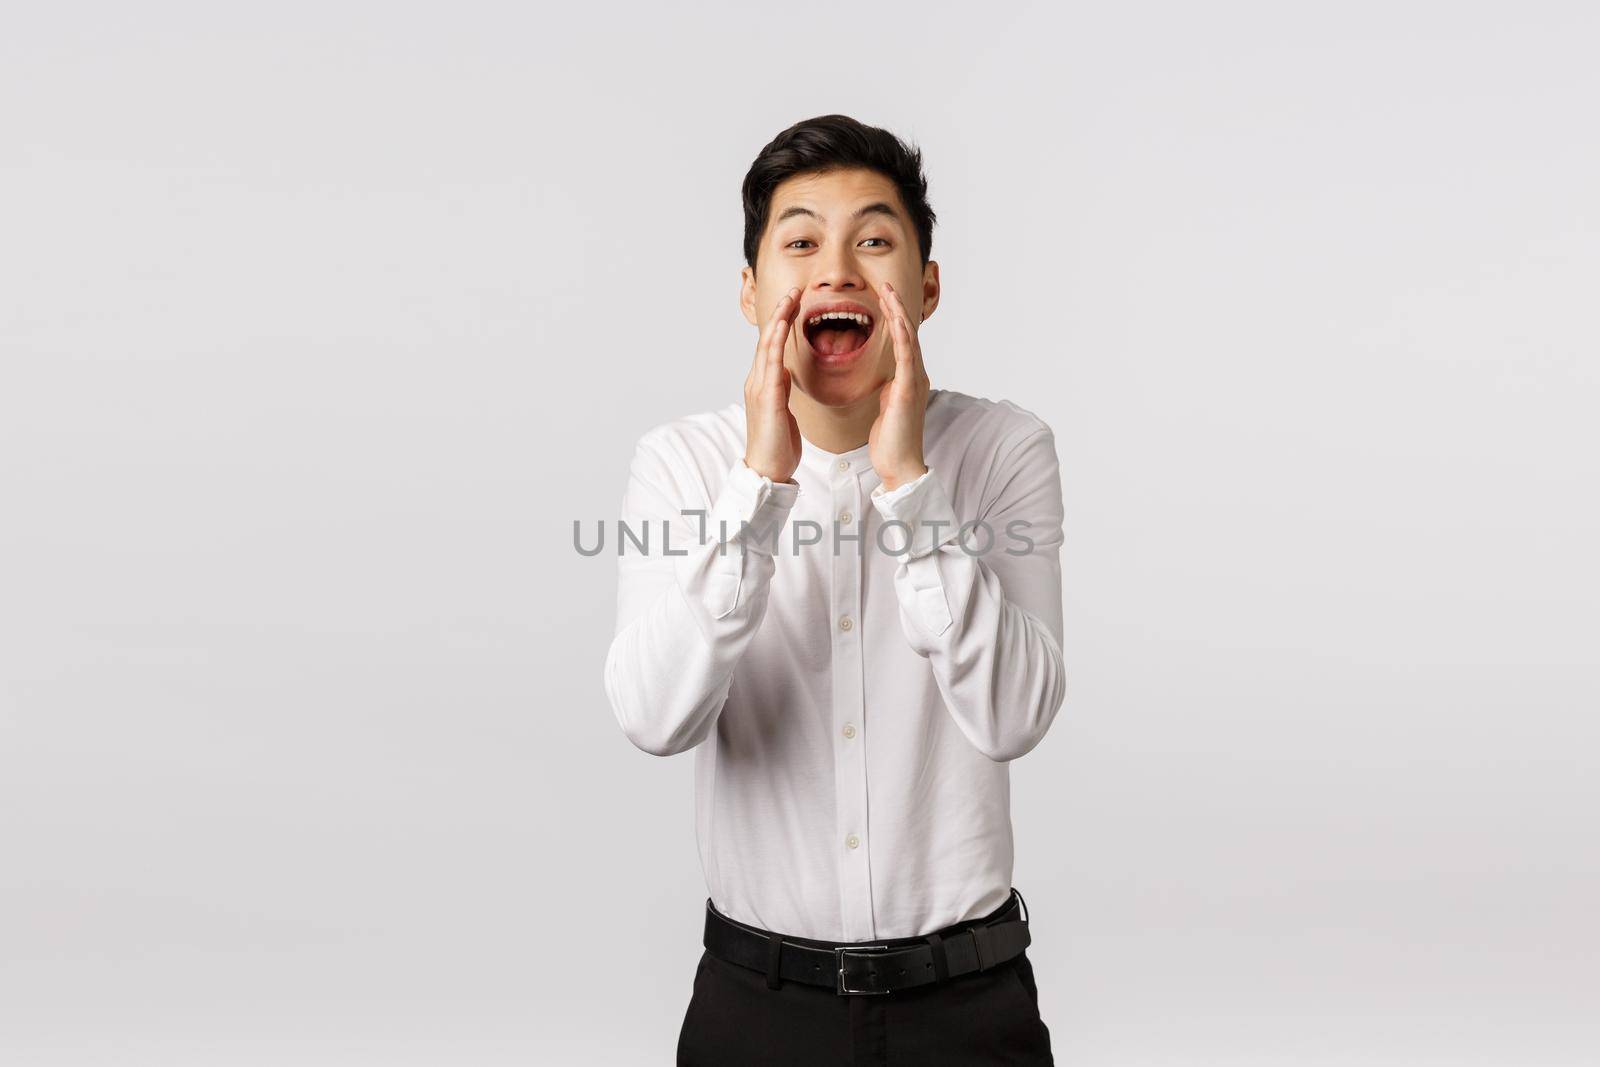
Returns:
(986,1017)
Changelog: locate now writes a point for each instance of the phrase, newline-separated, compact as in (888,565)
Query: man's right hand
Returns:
(772,437)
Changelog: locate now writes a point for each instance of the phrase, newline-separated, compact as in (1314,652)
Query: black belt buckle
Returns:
(839,953)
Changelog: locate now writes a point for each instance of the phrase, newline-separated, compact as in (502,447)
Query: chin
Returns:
(832,393)
(832,388)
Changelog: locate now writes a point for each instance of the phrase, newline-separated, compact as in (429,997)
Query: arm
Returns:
(989,624)
(687,610)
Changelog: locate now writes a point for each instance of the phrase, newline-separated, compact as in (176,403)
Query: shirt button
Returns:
(845,623)
(844,464)
(849,729)
(852,841)
(844,516)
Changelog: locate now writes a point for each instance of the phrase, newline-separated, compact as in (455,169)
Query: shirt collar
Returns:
(860,458)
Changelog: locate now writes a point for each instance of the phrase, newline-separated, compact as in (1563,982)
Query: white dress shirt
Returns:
(852,712)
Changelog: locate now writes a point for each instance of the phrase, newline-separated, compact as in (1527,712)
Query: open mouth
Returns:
(835,336)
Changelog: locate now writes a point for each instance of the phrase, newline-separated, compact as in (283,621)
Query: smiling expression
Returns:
(838,236)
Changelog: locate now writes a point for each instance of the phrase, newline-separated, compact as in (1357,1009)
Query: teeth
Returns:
(861,320)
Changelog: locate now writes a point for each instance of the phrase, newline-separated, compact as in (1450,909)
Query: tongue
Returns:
(833,341)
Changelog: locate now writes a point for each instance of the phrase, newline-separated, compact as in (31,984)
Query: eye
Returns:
(806,241)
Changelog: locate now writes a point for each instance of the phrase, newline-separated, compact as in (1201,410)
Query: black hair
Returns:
(833,142)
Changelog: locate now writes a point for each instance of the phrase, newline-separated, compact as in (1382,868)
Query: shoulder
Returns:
(688,457)
(998,451)
(703,435)
(1002,451)
(992,426)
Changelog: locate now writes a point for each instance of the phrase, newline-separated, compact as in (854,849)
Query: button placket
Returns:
(850,764)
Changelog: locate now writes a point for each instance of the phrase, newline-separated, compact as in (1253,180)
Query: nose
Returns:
(839,270)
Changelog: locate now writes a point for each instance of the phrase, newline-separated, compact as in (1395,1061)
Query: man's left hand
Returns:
(895,441)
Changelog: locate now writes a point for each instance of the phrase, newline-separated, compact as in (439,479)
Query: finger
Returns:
(899,332)
(782,318)
(915,370)
(891,306)
(898,308)
(775,367)
(771,325)
(763,355)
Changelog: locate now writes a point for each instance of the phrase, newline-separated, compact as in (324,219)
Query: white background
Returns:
(321,323)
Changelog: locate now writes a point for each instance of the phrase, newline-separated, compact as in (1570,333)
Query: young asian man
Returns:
(819,619)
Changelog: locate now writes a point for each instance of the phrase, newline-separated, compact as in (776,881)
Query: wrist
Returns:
(767,472)
(895,480)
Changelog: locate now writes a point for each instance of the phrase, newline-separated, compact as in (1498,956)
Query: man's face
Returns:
(837,237)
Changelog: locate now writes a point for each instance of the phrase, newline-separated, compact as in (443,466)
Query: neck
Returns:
(834,429)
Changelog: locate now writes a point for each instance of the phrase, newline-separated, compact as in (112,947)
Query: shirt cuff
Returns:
(924,507)
(750,509)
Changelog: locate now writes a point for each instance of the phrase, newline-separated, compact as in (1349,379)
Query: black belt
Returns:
(873,967)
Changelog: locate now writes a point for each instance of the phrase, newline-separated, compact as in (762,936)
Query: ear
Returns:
(747,295)
(930,289)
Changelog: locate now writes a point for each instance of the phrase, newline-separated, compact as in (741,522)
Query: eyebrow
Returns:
(876,208)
